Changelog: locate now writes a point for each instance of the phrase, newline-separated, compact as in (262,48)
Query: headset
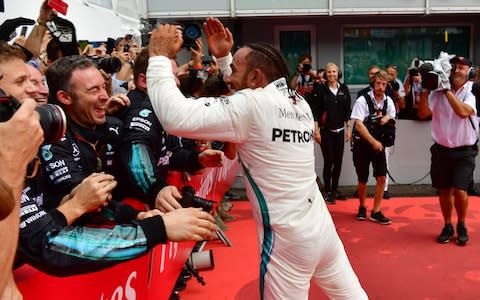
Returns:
(471,70)
(339,72)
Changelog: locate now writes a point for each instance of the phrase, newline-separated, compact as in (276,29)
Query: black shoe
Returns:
(330,199)
(339,195)
(386,195)
(462,236)
(232,196)
(473,192)
(379,218)
(362,213)
(446,234)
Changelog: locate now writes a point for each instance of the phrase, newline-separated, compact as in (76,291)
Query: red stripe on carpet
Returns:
(397,261)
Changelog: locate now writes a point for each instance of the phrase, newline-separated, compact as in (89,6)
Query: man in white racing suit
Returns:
(273,128)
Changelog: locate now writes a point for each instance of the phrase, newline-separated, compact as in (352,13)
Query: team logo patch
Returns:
(46,153)
(145,113)
(76,150)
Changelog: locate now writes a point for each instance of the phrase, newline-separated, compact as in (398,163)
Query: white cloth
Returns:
(448,128)
(275,141)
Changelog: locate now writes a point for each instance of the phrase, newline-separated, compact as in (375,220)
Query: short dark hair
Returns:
(268,59)
(8,52)
(60,72)
(141,64)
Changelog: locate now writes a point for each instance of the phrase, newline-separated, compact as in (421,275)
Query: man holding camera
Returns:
(367,149)
(57,242)
(455,133)
(304,78)
(273,128)
(20,137)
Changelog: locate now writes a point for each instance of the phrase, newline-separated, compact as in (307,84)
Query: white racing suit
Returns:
(274,133)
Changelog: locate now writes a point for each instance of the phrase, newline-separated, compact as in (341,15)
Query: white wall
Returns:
(409,162)
(91,23)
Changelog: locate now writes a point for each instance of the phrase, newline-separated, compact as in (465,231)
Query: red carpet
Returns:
(397,261)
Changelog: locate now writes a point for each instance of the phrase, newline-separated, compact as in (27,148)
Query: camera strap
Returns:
(371,107)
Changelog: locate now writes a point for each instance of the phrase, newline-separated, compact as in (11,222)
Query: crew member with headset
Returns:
(331,104)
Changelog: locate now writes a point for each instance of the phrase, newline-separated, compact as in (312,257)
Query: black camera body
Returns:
(190,200)
(306,68)
(394,85)
(52,117)
(109,64)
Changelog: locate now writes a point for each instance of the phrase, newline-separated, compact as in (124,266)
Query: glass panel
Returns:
(294,44)
(381,46)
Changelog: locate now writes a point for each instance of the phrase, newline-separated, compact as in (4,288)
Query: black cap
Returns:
(460,60)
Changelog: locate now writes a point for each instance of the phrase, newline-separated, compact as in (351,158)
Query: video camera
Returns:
(436,73)
(190,200)
(52,117)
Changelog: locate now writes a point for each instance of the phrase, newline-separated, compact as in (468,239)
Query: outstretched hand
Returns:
(166,40)
(219,38)
(167,199)
(189,224)
(211,158)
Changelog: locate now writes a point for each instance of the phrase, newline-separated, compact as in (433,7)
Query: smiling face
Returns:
(460,75)
(38,82)
(332,73)
(15,79)
(88,97)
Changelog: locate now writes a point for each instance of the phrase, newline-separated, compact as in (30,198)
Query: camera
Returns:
(109,64)
(306,68)
(52,117)
(429,76)
(394,85)
(190,200)
(191,32)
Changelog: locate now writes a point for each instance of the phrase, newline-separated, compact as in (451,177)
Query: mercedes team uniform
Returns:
(148,152)
(47,242)
(274,132)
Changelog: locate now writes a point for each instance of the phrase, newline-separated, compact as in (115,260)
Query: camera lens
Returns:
(191,32)
(190,200)
(53,122)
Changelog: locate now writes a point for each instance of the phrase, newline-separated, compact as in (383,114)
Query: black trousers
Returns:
(332,146)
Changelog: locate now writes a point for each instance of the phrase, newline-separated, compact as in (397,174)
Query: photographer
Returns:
(413,90)
(304,78)
(20,137)
(455,133)
(367,149)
